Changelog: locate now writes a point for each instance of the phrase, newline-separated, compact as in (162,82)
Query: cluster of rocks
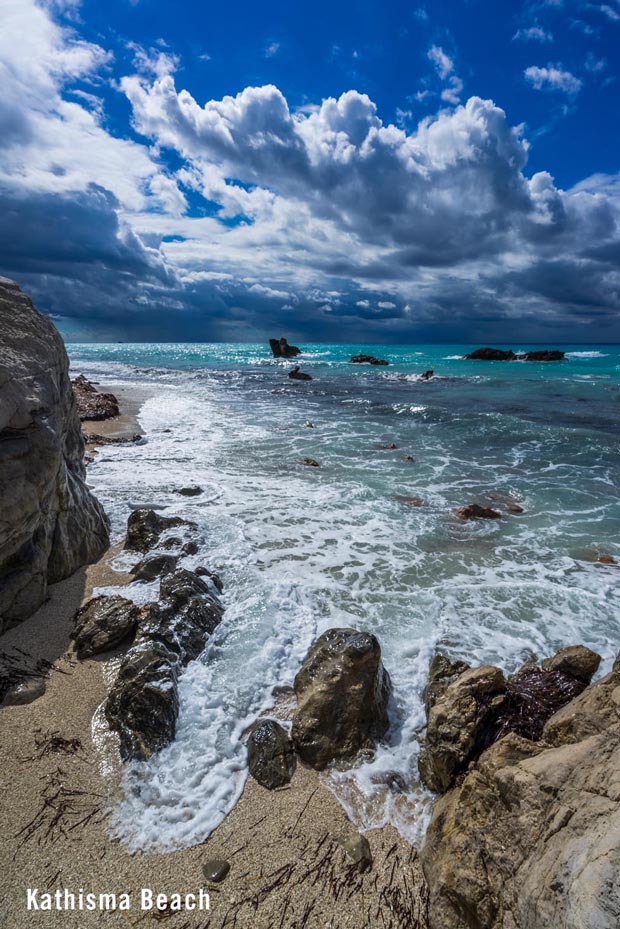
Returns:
(498,354)
(296,375)
(91,403)
(281,348)
(342,691)
(143,705)
(50,523)
(526,832)
(367,360)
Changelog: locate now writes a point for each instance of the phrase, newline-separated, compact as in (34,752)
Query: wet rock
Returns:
(475,511)
(358,850)
(25,692)
(281,348)
(427,375)
(545,355)
(151,568)
(50,523)
(308,424)
(576,660)
(93,438)
(271,759)
(531,837)
(298,375)
(411,501)
(144,528)
(193,491)
(213,577)
(342,693)
(458,720)
(367,360)
(491,354)
(389,447)
(311,462)
(103,623)
(190,548)
(514,508)
(442,671)
(143,703)
(91,404)
(215,870)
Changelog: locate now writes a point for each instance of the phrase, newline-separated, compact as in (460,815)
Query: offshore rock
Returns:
(103,623)
(91,403)
(367,360)
(297,375)
(271,759)
(50,523)
(475,511)
(491,354)
(143,704)
(281,348)
(531,837)
(144,528)
(342,693)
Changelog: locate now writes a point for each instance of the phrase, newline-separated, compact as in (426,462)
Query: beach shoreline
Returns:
(287,867)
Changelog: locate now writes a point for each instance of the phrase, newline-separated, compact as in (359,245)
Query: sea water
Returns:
(301,549)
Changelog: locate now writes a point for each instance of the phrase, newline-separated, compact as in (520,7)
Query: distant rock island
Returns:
(499,354)
(281,348)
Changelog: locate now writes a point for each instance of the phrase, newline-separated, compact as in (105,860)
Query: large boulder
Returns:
(281,348)
(491,354)
(342,694)
(531,837)
(271,759)
(143,704)
(368,360)
(91,403)
(103,623)
(149,569)
(144,527)
(50,523)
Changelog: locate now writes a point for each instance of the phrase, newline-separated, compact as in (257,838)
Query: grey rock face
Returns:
(342,697)
(103,623)
(143,704)
(50,523)
(271,759)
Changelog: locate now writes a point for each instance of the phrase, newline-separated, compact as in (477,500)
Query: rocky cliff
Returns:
(50,523)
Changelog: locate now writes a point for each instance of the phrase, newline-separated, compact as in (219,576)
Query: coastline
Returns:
(286,867)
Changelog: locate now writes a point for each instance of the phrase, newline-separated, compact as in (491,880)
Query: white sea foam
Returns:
(302,549)
(595,354)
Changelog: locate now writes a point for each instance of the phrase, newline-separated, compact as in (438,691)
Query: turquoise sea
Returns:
(302,548)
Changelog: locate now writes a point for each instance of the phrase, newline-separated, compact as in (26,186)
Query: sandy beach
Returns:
(59,785)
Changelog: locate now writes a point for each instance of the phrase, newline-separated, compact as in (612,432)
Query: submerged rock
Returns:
(342,693)
(367,360)
(213,577)
(281,348)
(311,462)
(143,704)
(50,523)
(103,623)
(144,528)
(91,403)
(531,837)
(151,568)
(298,375)
(193,491)
(475,511)
(271,759)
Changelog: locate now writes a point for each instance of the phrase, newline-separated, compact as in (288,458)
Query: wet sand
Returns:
(60,777)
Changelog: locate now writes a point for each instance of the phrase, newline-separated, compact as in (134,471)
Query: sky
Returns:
(343,171)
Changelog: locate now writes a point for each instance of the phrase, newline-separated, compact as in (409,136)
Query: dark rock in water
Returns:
(91,404)
(411,501)
(530,838)
(144,528)
(103,623)
(190,548)
(151,568)
(515,508)
(577,660)
(475,511)
(342,693)
(457,722)
(25,692)
(297,375)
(93,438)
(193,491)
(50,523)
(281,348)
(491,354)
(213,577)
(215,870)
(427,375)
(367,360)
(389,447)
(143,703)
(308,424)
(357,848)
(271,759)
(311,462)
(172,543)
(546,355)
